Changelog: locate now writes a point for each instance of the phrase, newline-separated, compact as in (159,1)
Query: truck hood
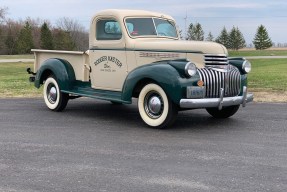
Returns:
(203,47)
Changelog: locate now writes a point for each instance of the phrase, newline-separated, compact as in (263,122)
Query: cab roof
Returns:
(122,13)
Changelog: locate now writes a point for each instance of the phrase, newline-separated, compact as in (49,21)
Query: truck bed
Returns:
(77,59)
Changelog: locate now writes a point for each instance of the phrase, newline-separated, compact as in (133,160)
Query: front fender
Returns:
(61,69)
(164,75)
(237,62)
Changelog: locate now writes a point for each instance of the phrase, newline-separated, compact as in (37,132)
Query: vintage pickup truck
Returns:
(139,54)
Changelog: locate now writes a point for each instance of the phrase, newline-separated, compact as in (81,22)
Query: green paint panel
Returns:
(237,62)
(61,69)
(167,76)
(85,90)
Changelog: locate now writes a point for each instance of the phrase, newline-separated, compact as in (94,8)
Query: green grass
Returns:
(14,81)
(17,56)
(257,53)
(268,75)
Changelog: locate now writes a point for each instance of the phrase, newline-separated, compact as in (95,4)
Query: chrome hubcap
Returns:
(153,105)
(52,93)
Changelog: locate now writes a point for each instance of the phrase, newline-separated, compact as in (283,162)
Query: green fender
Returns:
(164,74)
(62,71)
(238,62)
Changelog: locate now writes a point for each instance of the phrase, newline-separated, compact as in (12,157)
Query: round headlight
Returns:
(190,69)
(246,66)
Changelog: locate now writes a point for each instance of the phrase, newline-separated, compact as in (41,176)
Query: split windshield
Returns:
(151,27)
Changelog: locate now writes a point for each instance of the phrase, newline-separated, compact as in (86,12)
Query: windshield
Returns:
(151,27)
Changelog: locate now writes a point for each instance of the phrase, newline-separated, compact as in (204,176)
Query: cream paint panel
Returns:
(179,46)
(77,59)
(131,60)
(109,69)
(197,59)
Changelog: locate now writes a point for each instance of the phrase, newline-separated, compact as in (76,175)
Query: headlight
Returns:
(190,69)
(246,66)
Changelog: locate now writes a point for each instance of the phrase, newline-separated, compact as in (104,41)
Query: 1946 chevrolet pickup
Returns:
(138,54)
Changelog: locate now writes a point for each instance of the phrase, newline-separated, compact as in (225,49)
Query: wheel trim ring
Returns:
(155,111)
(52,94)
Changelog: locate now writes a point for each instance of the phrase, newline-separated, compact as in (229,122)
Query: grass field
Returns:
(257,53)
(268,74)
(17,56)
(14,81)
(248,53)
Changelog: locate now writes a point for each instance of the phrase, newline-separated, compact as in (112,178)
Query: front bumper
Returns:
(217,102)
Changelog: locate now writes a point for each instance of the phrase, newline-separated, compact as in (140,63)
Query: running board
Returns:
(86,91)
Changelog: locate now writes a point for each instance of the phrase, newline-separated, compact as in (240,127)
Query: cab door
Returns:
(108,55)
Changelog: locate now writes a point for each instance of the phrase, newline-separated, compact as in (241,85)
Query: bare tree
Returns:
(3,12)
(77,32)
(12,29)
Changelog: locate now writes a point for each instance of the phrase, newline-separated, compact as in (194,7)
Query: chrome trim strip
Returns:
(217,102)
(215,59)
(221,99)
(244,99)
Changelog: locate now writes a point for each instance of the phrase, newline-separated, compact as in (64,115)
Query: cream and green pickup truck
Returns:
(139,54)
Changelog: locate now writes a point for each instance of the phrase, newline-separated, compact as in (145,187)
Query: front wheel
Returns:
(155,108)
(225,112)
(53,97)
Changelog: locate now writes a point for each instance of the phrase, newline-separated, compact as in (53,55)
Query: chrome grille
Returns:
(219,59)
(214,80)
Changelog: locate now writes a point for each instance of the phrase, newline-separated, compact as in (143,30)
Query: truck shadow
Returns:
(94,110)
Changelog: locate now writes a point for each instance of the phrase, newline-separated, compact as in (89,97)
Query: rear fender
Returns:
(61,69)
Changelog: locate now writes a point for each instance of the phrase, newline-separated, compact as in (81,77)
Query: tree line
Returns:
(233,39)
(19,37)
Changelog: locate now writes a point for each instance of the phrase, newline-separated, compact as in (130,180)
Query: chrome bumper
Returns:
(217,102)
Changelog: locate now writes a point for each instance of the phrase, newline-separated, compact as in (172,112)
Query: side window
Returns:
(108,30)
(165,28)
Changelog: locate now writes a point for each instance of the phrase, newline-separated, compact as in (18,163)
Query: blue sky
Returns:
(211,14)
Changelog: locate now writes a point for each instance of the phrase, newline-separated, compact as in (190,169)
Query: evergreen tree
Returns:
(63,41)
(261,39)
(236,39)
(189,32)
(195,32)
(24,42)
(46,39)
(223,38)
(209,37)
(180,34)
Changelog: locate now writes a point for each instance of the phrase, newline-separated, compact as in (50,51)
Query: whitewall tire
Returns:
(53,97)
(155,108)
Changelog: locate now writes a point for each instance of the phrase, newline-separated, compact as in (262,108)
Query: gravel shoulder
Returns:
(270,97)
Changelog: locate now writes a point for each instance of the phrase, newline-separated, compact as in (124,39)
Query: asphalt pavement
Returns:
(97,146)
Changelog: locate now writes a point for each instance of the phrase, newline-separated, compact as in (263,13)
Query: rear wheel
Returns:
(53,97)
(155,108)
(225,112)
